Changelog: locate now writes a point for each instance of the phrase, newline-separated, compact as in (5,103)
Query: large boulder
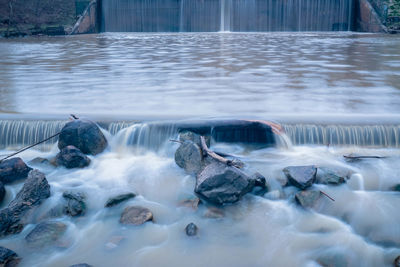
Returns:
(189,157)
(35,190)
(136,215)
(75,205)
(220,184)
(12,170)
(45,234)
(71,157)
(83,134)
(8,258)
(301,176)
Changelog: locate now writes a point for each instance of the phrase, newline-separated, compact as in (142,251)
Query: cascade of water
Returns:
(359,135)
(226,15)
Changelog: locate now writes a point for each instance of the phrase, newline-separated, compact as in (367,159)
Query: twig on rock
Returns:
(325,194)
(212,154)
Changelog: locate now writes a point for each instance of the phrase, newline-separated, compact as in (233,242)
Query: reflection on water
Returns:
(201,74)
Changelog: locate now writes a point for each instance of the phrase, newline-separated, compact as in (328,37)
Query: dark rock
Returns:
(396,262)
(8,258)
(189,157)
(332,176)
(39,160)
(301,176)
(84,135)
(2,192)
(135,215)
(220,184)
(12,170)
(45,234)
(260,184)
(118,199)
(195,138)
(396,188)
(76,205)
(35,190)
(308,198)
(214,213)
(191,229)
(72,157)
(81,265)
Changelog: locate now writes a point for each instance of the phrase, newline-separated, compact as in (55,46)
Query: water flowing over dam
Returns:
(226,15)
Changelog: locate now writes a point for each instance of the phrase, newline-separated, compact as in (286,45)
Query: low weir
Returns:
(226,15)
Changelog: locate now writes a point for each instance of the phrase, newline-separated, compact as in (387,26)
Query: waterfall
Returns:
(226,15)
(358,135)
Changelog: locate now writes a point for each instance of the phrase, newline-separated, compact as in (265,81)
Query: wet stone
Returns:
(81,265)
(189,157)
(192,203)
(191,229)
(214,213)
(75,205)
(307,199)
(46,234)
(301,176)
(396,188)
(2,192)
(8,258)
(260,184)
(119,199)
(39,161)
(136,215)
(84,135)
(71,157)
(12,170)
(332,176)
(193,137)
(396,262)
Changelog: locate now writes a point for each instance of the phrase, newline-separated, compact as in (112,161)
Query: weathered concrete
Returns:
(367,20)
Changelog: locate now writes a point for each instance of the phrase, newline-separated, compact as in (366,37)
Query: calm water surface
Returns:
(201,74)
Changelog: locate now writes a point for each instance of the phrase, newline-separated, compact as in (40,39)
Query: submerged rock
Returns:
(2,192)
(260,184)
(191,229)
(190,202)
(119,199)
(71,157)
(81,265)
(221,184)
(46,234)
(332,176)
(214,213)
(76,205)
(301,176)
(8,258)
(39,160)
(12,170)
(136,215)
(84,135)
(35,190)
(189,157)
(308,198)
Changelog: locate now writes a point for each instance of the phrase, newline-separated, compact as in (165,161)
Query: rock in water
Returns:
(221,184)
(83,134)
(118,199)
(12,170)
(396,262)
(135,215)
(81,265)
(195,138)
(191,229)
(332,176)
(35,190)
(8,258)
(45,234)
(76,205)
(308,198)
(71,157)
(301,176)
(2,192)
(188,156)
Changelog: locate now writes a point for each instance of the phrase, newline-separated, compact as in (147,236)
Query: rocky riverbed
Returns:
(101,202)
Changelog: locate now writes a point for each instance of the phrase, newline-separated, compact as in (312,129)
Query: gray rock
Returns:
(260,184)
(119,199)
(301,176)
(35,190)
(332,176)
(71,157)
(189,157)
(308,198)
(39,161)
(396,262)
(221,184)
(81,265)
(195,138)
(76,205)
(84,135)
(12,170)
(135,215)
(46,234)
(2,192)
(8,258)
(191,229)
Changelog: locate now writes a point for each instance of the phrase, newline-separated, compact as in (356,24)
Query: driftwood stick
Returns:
(30,146)
(325,194)
(212,154)
(363,157)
